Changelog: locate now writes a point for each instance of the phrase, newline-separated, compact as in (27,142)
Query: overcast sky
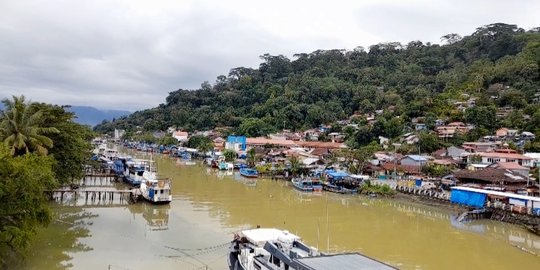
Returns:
(129,54)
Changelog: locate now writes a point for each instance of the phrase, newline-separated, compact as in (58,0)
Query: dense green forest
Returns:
(41,148)
(498,64)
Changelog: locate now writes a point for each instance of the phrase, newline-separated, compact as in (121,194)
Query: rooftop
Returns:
(352,261)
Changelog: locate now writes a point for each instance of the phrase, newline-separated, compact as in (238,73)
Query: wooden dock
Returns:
(92,194)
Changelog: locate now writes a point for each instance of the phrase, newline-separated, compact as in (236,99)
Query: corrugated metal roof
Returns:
(351,261)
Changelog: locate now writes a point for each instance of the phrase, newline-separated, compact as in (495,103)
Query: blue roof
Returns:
(417,157)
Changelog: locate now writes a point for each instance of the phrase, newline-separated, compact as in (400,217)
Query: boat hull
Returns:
(340,190)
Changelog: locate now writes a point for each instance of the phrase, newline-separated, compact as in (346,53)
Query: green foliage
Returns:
(368,188)
(168,140)
(253,127)
(230,155)
(498,65)
(197,141)
(22,130)
(22,182)
(71,148)
(428,142)
(251,157)
(436,170)
(482,116)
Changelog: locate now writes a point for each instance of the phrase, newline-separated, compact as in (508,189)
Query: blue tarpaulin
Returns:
(337,175)
(469,198)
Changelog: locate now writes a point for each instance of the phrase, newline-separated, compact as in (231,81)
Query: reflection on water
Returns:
(56,245)
(208,205)
(157,216)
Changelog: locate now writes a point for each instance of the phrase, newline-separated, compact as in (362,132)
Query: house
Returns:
(493,157)
(118,133)
(511,166)
(383,141)
(474,147)
(413,160)
(336,137)
(391,168)
(180,136)
(236,143)
(439,122)
(326,145)
(410,138)
(455,153)
(219,143)
(501,132)
(312,134)
(420,126)
(320,152)
(492,178)
(525,135)
(311,162)
(535,158)
(261,142)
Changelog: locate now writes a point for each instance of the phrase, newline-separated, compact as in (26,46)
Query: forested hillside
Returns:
(498,64)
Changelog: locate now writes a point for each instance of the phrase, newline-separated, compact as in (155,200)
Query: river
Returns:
(209,206)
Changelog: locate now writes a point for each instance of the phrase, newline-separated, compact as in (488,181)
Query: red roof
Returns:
(263,141)
(389,166)
(329,145)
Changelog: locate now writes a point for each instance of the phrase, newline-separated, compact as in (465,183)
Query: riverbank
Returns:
(208,207)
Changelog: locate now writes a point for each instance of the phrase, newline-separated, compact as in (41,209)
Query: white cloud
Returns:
(129,54)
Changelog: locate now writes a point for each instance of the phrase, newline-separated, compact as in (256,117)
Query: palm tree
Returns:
(205,147)
(21,128)
(296,166)
(251,157)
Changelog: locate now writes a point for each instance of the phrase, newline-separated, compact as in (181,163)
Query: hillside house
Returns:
(494,157)
(511,166)
(413,160)
(474,147)
(180,136)
(236,143)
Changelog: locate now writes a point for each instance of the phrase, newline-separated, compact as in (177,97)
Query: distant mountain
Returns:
(91,116)
(87,115)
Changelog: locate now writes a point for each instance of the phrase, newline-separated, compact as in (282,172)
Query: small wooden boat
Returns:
(307,184)
(249,173)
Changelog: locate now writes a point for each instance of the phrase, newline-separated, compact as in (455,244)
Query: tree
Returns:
(205,146)
(229,155)
(23,180)
(21,128)
(168,140)
(71,147)
(253,127)
(428,142)
(482,116)
(295,165)
(251,157)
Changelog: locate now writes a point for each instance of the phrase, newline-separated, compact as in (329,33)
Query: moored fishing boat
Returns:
(156,191)
(307,184)
(327,186)
(270,248)
(249,173)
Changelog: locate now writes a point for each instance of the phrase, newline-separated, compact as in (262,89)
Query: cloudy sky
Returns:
(129,54)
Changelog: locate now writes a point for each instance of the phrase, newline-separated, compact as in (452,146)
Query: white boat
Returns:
(157,191)
(274,249)
(154,190)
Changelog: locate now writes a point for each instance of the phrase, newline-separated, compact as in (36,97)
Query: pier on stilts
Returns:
(94,196)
